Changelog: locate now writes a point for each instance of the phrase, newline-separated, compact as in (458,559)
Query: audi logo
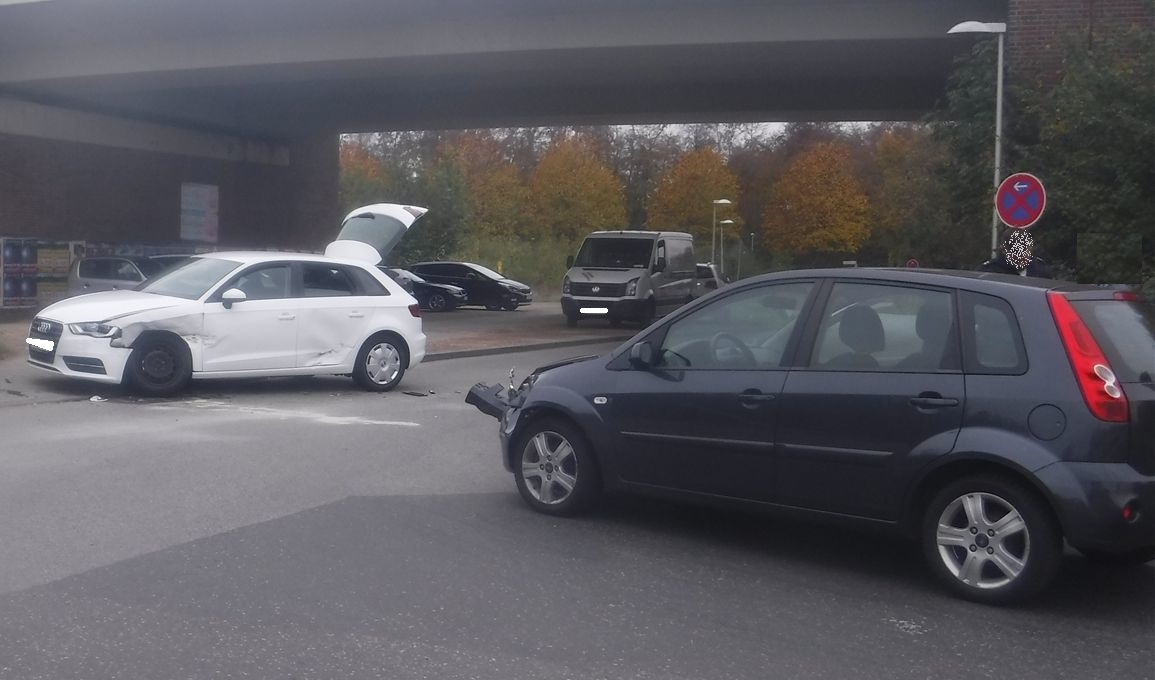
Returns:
(44,327)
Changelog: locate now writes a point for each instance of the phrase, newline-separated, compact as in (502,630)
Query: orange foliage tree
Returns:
(498,197)
(818,204)
(363,179)
(573,193)
(684,198)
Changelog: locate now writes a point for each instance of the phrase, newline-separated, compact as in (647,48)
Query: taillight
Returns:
(1127,296)
(1100,387)
(415,310)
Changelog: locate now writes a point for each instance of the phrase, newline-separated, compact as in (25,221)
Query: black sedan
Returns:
(991,417)
(482,285)
(436,297)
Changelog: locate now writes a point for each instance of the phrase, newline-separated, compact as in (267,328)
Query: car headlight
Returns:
(565,285)
(95,329)
(632,287)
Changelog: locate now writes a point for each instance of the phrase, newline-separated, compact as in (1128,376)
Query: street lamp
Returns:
(722,247)
(750,251)
(714,228)
(1001,30)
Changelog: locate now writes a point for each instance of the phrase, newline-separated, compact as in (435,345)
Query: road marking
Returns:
(279,414)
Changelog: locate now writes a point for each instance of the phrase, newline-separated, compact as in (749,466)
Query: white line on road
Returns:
(278,414)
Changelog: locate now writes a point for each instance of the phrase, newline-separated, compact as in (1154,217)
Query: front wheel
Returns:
(991,540)
(555,471)
(159,367)
(509,306)
(380,364)
(649,313)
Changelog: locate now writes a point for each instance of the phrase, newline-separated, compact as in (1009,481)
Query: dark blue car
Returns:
(992,417)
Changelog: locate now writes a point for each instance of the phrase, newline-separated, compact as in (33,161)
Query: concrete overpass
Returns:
(250,94)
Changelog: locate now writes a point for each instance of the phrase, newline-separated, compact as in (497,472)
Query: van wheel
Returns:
(159,367)
(570,321)
(648,313)
(991,540)
(615,322)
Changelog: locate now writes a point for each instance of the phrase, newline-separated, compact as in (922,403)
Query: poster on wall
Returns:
(199,207)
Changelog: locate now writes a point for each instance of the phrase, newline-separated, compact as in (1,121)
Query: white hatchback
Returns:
(247,314)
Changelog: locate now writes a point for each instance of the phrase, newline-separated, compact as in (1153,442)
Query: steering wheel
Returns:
(720,340)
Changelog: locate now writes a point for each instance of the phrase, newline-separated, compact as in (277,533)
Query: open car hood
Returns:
(371,232)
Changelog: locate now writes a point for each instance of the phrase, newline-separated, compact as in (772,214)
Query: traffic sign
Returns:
(1020,200)
(912,263)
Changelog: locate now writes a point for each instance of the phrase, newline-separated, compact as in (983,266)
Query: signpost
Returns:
(912,263)
(1020,200)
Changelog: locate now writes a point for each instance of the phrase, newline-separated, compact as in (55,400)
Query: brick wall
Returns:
(1037,30)
(64,190)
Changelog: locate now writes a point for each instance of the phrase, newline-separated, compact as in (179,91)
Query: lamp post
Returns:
(722,247)
(1000,29)
(714,228)
(750,251)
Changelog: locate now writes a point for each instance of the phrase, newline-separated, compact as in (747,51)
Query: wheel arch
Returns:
(966,465)
(390,334)
(541,410)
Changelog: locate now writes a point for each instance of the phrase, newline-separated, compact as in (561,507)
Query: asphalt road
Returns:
(303,529)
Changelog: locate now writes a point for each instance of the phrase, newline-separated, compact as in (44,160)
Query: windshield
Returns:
(487,271)
(631,253)
(1126,332)
(149,267)
(192,279)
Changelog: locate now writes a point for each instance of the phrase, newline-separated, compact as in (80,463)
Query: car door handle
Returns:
(752,398)
(932,400)
(356,315)
(286,317)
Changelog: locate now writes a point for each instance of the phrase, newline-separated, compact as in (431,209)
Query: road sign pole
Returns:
(998,151)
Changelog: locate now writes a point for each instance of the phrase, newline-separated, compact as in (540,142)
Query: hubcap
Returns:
(383,363)
(436,303)
(983,540)
(158,365)
(549,467)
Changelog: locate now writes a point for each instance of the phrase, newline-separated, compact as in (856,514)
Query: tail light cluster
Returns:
(415,310)
(1098,383)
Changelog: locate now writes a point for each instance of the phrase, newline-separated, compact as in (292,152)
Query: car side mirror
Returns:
(660,265)
(642,355)
(568,261)
(233,296)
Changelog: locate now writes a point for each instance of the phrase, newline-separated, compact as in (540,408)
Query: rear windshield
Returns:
(615,252)
(1126,332)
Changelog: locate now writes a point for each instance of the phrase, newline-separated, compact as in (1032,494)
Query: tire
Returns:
(991,540)
(509,306)
(381,363)
(159,367)
(493,306)
(570,321)
(615,322)
(649,312)
(437,303)
(1133,558)
(555,468)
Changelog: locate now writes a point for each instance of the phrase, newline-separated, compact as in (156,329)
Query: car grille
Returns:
(43,329)
(598,289)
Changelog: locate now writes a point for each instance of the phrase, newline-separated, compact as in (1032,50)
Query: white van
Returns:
(635,275)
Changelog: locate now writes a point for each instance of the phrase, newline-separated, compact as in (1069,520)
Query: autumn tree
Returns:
(573,193)
(818,205)
(363,180)
(497,194)
(684,198)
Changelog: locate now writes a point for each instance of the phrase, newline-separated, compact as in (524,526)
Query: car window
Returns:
(95,269)
(124,270)
(994,344)
(366,283)
(321,280)
(485,271)
(264,282)
(869,327)
(746,330)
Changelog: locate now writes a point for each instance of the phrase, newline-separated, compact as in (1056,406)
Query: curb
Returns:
(510,349)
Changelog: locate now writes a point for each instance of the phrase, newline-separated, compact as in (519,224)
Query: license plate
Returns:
(41,344)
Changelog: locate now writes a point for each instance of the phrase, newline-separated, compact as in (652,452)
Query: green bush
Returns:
(537,261)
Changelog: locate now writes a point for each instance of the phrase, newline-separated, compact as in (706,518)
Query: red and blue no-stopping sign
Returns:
(1020,200)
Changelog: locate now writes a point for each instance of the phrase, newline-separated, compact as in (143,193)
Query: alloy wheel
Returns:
(983,540)
(549,467)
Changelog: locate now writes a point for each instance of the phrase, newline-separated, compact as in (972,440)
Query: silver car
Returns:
(95,274)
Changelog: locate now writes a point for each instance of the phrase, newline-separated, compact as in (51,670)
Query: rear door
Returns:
(881,381)
(334,311)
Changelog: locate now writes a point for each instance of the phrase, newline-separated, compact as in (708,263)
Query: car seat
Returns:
(934,327)
(860,329)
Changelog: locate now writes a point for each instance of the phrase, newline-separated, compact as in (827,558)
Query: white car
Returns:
(247,314)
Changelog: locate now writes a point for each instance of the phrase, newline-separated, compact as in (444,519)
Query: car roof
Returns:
(971,280)
(637,233)
(257,256)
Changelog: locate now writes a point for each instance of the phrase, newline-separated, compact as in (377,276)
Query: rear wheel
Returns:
(159,367)
(991,540)
(437,302)
(555,470)
(381,363)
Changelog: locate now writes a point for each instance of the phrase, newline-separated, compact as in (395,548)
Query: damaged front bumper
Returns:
(492,400)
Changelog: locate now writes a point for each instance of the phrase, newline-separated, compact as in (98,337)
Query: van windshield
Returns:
(615,252)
